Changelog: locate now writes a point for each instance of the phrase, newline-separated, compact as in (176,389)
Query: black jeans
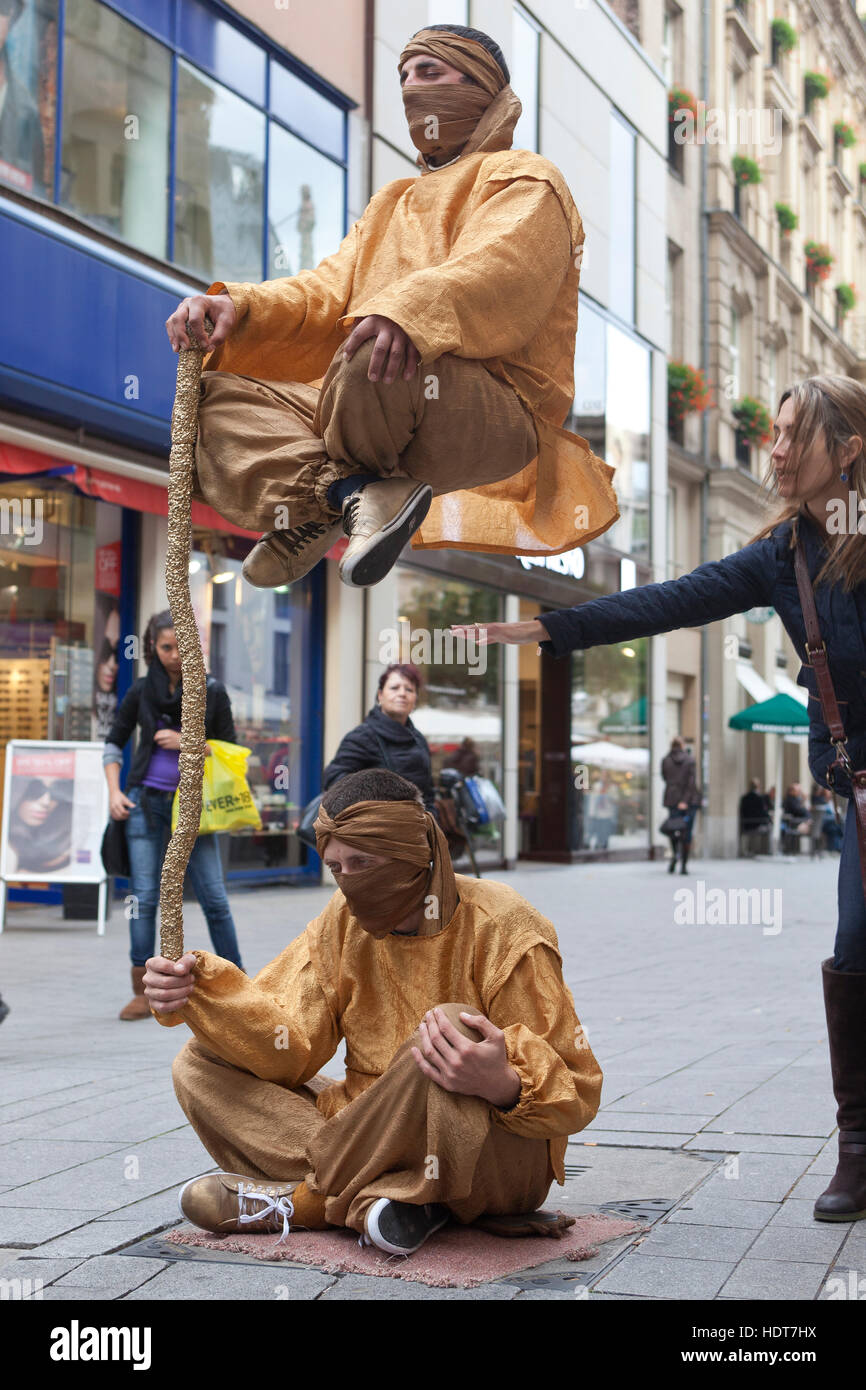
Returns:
(850,950)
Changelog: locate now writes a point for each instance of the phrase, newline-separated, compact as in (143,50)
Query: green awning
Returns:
(781,714)
(632,717)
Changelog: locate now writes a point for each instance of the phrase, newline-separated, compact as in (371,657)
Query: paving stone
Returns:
(754,1143)
(611,1118)
(56,1293)
(661,1276)
(26,1160)
(810,1186)
(117,1274)
(756,1176)
(197,1280)
(47,1270)
(797,1212)
(102,1185)
(634,1139)
(826,1159)
(707,1209)
(26,1226)
(771,1279)
(798,1243)
(96,1238)
(843,1284)
(150,1212)
(854,1249)
(685,1242)
(374,1288)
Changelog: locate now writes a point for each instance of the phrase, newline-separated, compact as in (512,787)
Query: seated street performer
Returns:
(421,373)
(466,1066)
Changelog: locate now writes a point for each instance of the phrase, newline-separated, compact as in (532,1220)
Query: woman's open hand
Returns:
(519,634)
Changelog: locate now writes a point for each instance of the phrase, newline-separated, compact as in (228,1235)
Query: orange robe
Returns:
(481,259)
(335,981)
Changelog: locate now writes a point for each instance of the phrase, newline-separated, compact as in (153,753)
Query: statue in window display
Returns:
(414,383)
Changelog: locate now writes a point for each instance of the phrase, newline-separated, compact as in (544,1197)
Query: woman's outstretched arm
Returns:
(714,590)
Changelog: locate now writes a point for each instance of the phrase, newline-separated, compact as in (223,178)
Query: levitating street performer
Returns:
(466,1065)
(422,373)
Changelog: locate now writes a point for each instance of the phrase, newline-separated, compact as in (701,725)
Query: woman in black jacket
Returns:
(152,705)
(388,738)
(819,463)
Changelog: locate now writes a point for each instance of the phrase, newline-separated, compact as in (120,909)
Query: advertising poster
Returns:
(55,810)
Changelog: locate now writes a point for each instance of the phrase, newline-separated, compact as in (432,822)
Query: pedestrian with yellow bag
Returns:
(152,707)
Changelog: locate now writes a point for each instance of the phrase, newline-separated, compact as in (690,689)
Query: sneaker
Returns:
(401,1228)
(228,1202)
(283,556)
(379,520)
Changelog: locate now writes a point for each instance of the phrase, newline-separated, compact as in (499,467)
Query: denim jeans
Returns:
(850,950)
(147,845)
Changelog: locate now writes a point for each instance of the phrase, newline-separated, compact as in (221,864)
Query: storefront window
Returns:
(60,563)
(219,189)
(116,112)
(254,641)
(307,111)
(28,67)
(306,205)
(610,747)
(462,694)
(612,410)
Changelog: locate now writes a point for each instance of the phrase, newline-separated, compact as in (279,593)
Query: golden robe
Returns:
(480,258)
(336,981)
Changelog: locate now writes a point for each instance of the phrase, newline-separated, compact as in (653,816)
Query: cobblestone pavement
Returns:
(716,1126)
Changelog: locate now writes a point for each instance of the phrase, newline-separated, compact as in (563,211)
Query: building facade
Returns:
(571,743)
(148,147)
(766,245)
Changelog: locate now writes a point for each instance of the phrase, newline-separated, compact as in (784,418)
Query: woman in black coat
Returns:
(819,463)
(388,738)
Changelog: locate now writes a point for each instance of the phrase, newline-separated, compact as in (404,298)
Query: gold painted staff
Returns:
(184,427)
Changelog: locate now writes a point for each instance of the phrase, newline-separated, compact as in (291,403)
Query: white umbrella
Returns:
(603,753)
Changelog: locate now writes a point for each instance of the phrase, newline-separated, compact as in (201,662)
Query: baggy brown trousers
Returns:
(405,1137)
(267,447)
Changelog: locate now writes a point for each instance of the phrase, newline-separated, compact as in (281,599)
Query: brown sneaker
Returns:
(228,1202)
(379,520)
(283,556)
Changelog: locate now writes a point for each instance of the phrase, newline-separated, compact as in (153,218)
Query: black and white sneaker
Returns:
(400,1228)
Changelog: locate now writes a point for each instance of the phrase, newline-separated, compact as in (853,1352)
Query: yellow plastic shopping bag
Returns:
(227,802)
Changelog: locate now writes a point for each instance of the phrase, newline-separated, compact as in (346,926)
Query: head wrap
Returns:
(418,872)
(474,117)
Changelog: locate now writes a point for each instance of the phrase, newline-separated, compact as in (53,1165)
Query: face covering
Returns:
(382,897)
(442,116)
(418,871)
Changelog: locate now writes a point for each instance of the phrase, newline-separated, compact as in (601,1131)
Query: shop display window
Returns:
(462,693)
(610,747)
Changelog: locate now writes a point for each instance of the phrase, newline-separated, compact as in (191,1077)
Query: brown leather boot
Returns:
(845,1004)
(138,1006)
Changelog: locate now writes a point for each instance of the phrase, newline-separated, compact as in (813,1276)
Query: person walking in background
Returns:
(152,707)
(681,795)
(755,818)
(387,737)
(818,467)
(602,812)
(465,760)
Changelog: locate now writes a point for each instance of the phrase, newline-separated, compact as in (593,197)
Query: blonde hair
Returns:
(836,406)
